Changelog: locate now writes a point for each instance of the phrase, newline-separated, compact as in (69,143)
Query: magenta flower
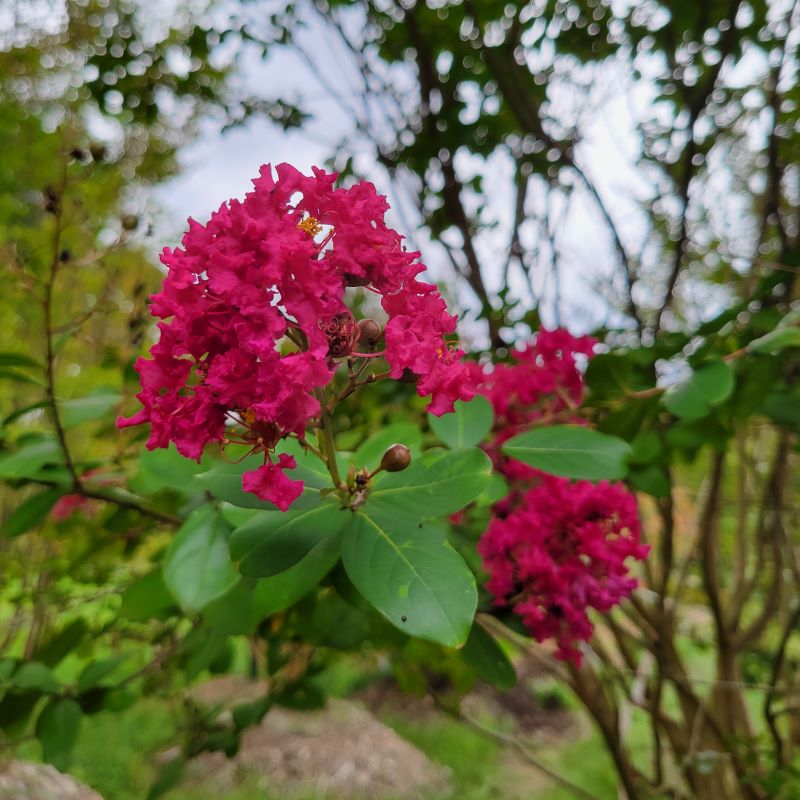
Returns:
(554,549)
(254,321)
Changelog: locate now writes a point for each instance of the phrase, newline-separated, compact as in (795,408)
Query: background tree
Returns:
(487,118)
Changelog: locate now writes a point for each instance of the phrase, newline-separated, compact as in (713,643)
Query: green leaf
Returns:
(270,543)
(7,667)
(197,568)
(651,479)
(19,377)
(369,453)
(411,575)
(246,715)
(61,644)
(30,458)
(98,671)
(168,777)
(87,409)
(708,386)
(33,675)
(571,451)
(488,659)
(147,598)
(466,426)
(19,360)
(251,601)
(496,490)
(167,468)
(436,484)
(337,623)
(277,593)
(775,341)
(57,730)
(31,513)
(21,412)
(236,516)
(783,407)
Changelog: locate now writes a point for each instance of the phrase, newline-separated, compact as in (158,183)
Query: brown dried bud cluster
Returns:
(396,458)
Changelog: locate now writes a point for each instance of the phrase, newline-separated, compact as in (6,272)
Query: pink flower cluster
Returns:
(542,384)
(554,548)
(561,552)
(254,319)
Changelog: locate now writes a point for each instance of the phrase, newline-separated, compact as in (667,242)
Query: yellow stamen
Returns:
(310,225)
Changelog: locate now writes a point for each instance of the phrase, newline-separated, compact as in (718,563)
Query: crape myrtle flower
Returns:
(254,321)
(560,552)
(554,548)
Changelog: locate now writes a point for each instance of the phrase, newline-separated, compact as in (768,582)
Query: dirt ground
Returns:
(345,751)
(20,780)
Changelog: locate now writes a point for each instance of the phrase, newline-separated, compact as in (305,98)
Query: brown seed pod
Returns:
(98,151)
(130,222)
(369,332)
(396,458)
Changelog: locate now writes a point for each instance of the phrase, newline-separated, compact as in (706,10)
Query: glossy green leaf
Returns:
(61,643)
(147,598)
(169,775)
(30,458)
(241,609)
(270,543)
(19,360)
(19,377)
(488,659)
(33,675)
(57,730)
(411,575)
(775,341)
(571,451)
(651,479)
(167,468)
(197,568)
(87,409)
(466,426)
(708,386)
(436,484)
(31,513)
(98,672)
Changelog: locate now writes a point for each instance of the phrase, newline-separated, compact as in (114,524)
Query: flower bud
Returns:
(98,150)
(130,222)
(396,458)
(369,332)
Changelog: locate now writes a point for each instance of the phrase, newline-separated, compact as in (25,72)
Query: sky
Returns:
(218,166)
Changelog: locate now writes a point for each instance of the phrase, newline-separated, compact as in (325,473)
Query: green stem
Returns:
(327,441)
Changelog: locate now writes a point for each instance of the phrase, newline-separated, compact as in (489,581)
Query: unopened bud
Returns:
(130,222)
(98,150)
(369,332)
(396,458)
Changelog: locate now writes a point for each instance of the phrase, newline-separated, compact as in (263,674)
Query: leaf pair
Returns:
(400,561)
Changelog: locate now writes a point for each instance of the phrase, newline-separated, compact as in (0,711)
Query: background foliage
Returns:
(115,577)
